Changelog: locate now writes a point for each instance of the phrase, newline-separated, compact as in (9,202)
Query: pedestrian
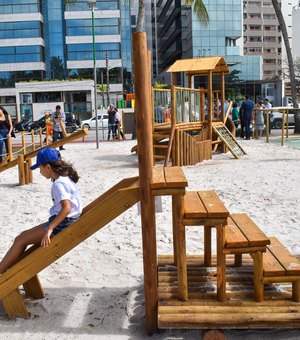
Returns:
(57,118)
(235,115)
(246,116)
(6,128)
(119,123)
(111,121)
(66,208)
(268,105)
(259,121)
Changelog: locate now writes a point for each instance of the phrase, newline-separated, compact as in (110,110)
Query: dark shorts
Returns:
(65,223)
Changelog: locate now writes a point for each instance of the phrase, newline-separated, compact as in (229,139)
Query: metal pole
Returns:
(95,78)
(107,80)
(102,91)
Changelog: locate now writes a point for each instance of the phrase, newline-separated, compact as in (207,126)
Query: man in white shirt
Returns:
(56,118)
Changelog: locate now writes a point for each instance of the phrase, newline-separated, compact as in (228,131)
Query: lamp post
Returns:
(92,6)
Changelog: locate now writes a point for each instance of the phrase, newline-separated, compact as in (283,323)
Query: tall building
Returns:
(53,40)
(179,34)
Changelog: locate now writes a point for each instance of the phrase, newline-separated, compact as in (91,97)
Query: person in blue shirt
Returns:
(246,115)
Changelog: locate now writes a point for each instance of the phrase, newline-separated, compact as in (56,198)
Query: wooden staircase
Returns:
(228,139)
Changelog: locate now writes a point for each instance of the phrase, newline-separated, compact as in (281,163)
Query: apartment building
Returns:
(52,41)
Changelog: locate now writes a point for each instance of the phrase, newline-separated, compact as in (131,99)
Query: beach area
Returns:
(96,290)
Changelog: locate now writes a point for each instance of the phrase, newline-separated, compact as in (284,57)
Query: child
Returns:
(259,119)
(65,210)
(235,115)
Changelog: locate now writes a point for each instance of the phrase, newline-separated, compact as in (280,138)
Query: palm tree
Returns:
(282,25)
(198,6)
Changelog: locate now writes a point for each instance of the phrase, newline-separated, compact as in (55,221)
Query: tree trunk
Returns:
(285,37)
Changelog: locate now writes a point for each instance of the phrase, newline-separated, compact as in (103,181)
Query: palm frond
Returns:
(200,10)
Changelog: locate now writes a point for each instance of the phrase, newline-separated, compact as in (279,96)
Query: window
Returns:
(22,29)
(84,27)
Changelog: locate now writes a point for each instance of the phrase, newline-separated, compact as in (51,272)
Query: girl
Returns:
(235,115)
(259,119)
(66,207)
(5,130)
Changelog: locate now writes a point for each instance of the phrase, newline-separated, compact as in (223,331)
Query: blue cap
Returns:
(45,156)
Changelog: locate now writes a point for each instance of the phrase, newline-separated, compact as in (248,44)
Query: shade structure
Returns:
(200,66)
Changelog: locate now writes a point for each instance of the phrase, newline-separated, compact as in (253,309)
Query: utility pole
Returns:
(107,80)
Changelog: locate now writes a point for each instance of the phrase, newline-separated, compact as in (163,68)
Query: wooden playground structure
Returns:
(22,157)
(230,289)
(189,123)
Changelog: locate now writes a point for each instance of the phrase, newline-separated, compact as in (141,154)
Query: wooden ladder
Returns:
(228,139)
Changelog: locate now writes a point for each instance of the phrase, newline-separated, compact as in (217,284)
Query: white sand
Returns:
(96,290)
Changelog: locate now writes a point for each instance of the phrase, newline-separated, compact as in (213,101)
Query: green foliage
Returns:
(158,85)
(200,10)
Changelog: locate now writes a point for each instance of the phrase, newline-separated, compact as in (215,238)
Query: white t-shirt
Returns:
(63,188)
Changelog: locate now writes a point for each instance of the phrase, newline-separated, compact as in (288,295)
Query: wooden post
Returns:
(222,96)
(267,126)
(21,169)
(221,264)
(41,137)
(210,105)
(287,123)
(282,128)
(258,276)
(10,151)
(32,140)
(145,156)
(23,143)
(29,163)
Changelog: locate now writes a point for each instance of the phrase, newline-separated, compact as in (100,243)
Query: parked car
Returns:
(91,123)
(276,120)
(71,123)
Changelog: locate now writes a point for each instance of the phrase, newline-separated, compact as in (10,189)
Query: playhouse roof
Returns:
(197,66)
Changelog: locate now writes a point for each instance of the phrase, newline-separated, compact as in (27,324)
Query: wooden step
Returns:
(278,261)
(241,231)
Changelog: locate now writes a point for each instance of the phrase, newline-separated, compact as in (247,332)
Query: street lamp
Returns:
(92,6)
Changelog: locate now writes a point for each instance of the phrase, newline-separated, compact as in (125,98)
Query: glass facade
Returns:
(57,35)
(220,37)
(19,6)
(22,29)
(81,27)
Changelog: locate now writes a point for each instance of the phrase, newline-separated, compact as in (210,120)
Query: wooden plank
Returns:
(213,204)
(255,236)
(224,309)
(193,205)
(158,178)
(284,257)
(271,266)
(175,177)
(233,236)
(14,305)
(33,288)
(235,320)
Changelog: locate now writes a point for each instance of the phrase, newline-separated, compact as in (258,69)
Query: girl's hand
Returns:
(46,239)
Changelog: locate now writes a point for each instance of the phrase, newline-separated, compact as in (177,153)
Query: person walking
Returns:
(259,121)
(6,128)
(111,121)
(58,117)
(268,105)
(235,115)
(66,208)
(246,115)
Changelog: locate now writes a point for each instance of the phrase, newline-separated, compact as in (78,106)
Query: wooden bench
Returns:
(279,265)
(202,208)
(243,236)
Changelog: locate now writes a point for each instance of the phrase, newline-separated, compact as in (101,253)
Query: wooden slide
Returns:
(94,216)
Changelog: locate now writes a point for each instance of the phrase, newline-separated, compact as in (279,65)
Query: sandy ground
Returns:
(96,290)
